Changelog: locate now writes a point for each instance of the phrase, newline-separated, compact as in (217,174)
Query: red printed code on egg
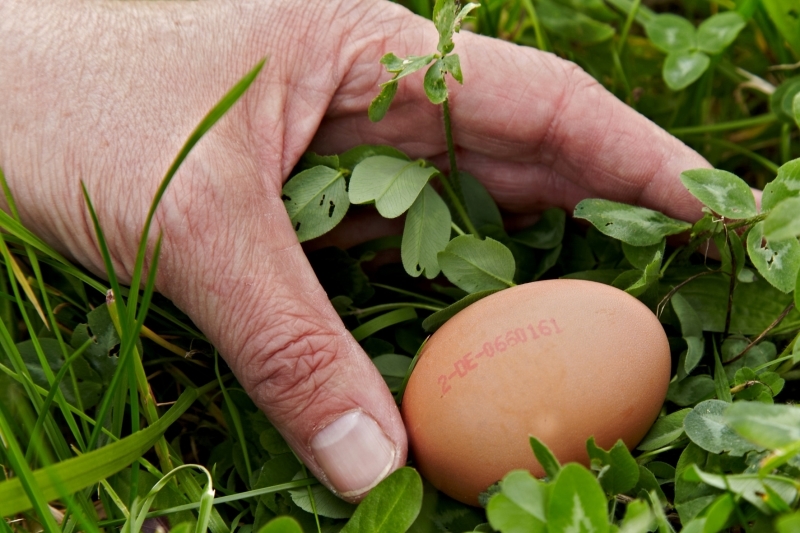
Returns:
(470,361)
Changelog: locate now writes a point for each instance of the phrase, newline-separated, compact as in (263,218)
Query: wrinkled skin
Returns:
(108,92)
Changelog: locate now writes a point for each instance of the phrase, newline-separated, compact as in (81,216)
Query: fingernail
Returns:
(354,453)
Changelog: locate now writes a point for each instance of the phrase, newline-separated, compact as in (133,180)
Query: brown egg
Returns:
(561,360)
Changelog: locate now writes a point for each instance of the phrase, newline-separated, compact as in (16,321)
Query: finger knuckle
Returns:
(298,361)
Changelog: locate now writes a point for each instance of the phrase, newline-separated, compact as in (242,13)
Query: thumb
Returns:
(258,300)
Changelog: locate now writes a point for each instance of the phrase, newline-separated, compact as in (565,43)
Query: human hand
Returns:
(106,93)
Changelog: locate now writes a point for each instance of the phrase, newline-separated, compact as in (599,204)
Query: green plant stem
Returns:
(704,236)
(786,143)
(744,123)
(623,77)
(237,420)
(668,262)
(409,293)
(763,334)
(641,458)
(148,333)
(456,228)
(388,307)
(34,435)
(788,351)
(452,183)
(458,205)
(451,147)
(146,398)
(311,498)
(722,143)
(537,27)
(732,283)
(627,26)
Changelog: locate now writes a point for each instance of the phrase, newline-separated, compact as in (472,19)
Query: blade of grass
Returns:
(79,472)
(541,40)
(26,485)
(626,28)
(68,269)
(148,333)
(216,113)
(384,321)
(7,308)
(26,288)
(7,344)
(42,392)
(119,306)
(237,421)
(130,314)
(139,509)
(733,147)
(112,494)
(8,224)
(767,118)
(311,498)
(167,456)
(51,395)
(300,483)
(134,406)
(50,321)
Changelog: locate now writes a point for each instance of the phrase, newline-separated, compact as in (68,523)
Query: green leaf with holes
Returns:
(404,66)
(426,233)
(380,104)
(434,84)
(393,184)
(777,261)
(444,18)
(316,200)
(452,65)
(634,225)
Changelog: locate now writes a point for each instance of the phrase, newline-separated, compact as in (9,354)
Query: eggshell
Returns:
(561,360)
